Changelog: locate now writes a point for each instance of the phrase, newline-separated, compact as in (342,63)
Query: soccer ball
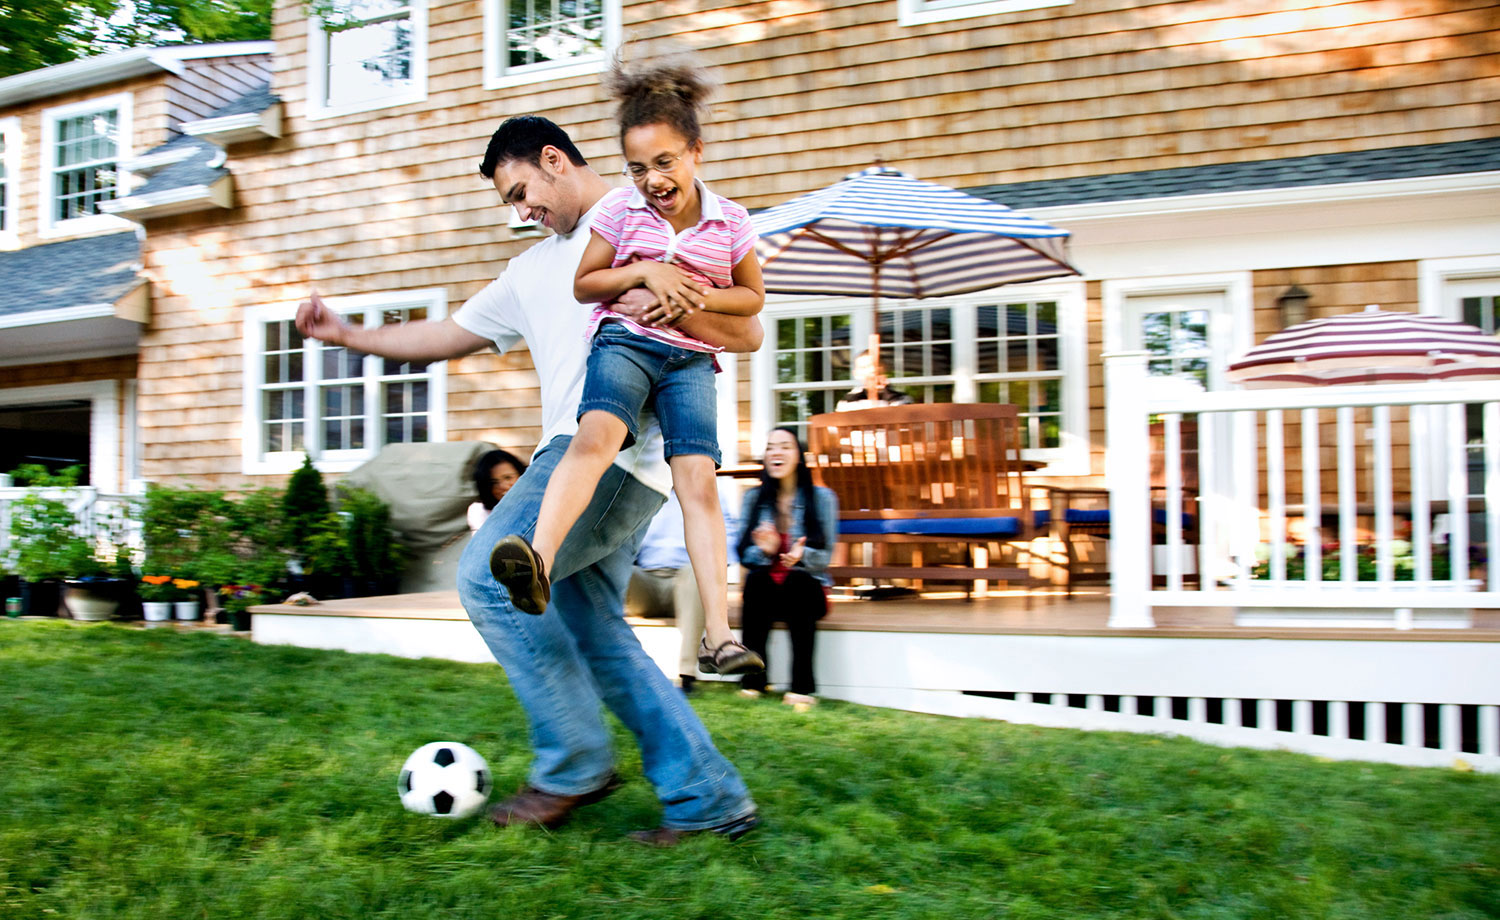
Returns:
(444,779)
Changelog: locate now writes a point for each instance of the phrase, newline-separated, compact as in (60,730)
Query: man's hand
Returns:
(636,303)
(316,321)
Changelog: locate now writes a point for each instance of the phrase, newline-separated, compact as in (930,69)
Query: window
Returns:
(1018,360)
(529,40)
(1028,348)
(82,147)
(813,361)
(10,158)
(921,12)
(337,405)
(366,54)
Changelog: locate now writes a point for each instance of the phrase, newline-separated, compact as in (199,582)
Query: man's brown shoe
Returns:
(671,836)
(533,806)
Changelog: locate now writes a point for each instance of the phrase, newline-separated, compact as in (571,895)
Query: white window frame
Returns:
(923,12)
(1441,284)
(498,76)
(104,422)
(123,103)
(10,198)
(256,461)
(317,69)
(1070,458)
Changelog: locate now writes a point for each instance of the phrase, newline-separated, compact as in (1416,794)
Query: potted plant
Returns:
(157,593)
(188,602)
(93,583)
(44,538)
(236,601)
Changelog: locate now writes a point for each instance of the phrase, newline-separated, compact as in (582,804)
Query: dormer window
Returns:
(82,147)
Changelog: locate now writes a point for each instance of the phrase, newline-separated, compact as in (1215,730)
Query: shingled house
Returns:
(83,147)
(1223,172)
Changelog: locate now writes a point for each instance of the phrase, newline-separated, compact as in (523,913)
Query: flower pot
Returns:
(185,610)
(239,620)
(87,602)
(156,611)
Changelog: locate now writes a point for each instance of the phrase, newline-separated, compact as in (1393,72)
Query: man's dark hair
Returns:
(522,138)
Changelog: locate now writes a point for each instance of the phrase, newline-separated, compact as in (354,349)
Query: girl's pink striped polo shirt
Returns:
(708,250)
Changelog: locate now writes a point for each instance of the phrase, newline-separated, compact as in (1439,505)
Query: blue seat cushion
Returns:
(935,527)
(1101,516)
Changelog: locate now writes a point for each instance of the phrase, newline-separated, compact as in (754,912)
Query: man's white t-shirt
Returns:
(533,300)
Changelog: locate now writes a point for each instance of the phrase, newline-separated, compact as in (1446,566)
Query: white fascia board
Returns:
(59,315)
(234,129)
(149,163)
(1277,197)
(111,68)
(219,194)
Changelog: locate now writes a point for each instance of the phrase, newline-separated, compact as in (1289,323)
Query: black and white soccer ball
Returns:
(444,779)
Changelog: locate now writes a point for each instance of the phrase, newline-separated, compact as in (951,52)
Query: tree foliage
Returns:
(40,33)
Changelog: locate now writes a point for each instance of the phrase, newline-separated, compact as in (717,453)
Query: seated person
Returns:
(494,473)
(662,583)
(867,375)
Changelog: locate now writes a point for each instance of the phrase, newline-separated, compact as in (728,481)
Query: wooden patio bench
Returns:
(927,475)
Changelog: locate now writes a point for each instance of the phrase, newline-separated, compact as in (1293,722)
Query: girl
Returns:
(788,529)
(694,251)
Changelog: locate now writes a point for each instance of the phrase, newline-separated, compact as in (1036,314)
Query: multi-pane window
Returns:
(7,219)
(921,12)
(813,367)
(83,163)
(367,54)
(541,32)
(334,403)
(1478,307)
(1018,360)
(1177,341)
(916,351)
(1027,348)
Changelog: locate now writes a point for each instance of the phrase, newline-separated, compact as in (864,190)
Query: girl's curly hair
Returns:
(671,90)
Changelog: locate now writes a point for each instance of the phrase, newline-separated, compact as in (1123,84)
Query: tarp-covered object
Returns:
(428,486)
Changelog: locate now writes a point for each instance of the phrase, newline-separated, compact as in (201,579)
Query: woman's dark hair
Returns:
(670,90)
(522,138)
(812,525)
(482,469)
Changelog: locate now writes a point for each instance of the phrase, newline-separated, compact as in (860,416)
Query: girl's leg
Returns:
(703,529)
(571,487)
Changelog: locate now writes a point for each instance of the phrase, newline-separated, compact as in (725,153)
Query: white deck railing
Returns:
(106,517)
(1413,464)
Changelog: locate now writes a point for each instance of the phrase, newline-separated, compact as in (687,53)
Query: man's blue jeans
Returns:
(581,651)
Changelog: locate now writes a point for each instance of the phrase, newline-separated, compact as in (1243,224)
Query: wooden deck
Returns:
(1086,614)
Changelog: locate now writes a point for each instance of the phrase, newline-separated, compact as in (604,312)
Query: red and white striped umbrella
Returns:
(1374,346)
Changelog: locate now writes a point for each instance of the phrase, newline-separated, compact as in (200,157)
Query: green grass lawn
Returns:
(152,774)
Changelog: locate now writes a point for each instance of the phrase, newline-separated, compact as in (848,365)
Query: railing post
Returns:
(1127,474)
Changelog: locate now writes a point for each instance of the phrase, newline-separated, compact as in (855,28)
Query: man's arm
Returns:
(419,341)
(738,334)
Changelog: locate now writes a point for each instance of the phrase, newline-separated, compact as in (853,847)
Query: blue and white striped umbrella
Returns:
(880,232)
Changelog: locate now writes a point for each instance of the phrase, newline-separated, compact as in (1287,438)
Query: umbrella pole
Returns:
(872,383)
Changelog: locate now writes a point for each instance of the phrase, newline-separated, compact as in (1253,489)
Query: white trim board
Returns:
(105,449)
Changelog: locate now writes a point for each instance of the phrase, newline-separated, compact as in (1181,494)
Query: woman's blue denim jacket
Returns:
(814,561)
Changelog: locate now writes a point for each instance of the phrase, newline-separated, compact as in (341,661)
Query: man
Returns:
(580,651)
(871,381)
